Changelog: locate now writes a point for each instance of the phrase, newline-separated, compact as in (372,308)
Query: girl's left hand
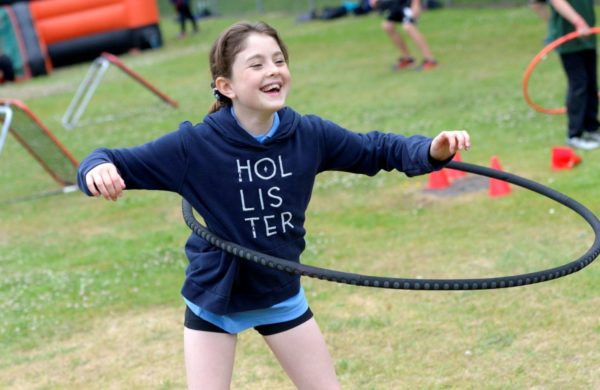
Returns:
(447,143)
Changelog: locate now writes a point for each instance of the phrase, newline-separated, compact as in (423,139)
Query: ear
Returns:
(224,86)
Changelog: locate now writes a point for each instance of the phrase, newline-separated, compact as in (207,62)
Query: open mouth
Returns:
(271,88)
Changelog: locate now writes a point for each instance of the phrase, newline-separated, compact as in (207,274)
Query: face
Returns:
(260,78)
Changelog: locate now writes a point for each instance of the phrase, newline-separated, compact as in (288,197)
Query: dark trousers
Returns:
(6,66)
(582,91)
(185,13)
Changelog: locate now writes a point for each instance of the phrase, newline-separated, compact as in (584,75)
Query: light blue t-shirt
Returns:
(284,311)
(263,137)
(287,310)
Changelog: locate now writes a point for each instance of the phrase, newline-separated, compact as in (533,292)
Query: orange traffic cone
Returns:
(454,174)
(438,180)
(564,157)
(498,187)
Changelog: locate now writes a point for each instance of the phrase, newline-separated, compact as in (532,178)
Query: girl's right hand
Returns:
(104,180)
(584,29)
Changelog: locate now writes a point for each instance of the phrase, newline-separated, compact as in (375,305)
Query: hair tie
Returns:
(217,94)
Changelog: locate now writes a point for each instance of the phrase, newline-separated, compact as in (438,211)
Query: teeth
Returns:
(271,87)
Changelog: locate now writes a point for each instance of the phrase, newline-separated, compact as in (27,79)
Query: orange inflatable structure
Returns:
(41,34)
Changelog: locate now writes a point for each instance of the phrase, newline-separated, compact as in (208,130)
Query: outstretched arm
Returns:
(447,143)
(104,180)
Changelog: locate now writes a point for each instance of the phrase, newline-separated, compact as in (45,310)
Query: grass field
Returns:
(89,290)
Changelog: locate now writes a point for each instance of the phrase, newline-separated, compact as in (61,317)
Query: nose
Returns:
(273,69)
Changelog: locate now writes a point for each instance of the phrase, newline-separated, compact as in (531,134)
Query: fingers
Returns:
(104,180)
(456,140)
(448,143)
(462,140)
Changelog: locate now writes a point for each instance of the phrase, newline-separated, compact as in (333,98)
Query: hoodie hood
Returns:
(226,125)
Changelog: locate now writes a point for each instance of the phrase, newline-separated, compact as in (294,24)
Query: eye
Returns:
(256,66)
(280,61)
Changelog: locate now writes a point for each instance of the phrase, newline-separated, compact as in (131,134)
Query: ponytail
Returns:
(216,106)
(220,100)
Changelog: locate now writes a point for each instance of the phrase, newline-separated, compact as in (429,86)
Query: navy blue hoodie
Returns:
(253,194)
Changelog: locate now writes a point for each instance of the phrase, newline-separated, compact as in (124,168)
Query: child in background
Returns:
(579,61)
(249,169)
(406,12)
(184,13)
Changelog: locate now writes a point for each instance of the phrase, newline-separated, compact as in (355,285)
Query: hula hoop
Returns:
(551,46)
(422,284)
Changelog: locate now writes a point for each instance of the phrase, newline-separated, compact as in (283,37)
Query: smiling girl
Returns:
(249,169)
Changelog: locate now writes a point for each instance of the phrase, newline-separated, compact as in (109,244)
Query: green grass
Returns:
(89,290)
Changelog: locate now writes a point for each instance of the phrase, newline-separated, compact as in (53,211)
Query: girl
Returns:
(184,13)
(249,169)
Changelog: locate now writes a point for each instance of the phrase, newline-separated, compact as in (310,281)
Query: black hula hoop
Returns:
(422,284)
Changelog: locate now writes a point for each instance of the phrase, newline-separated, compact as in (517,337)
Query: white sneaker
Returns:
(583,143)
(592,135)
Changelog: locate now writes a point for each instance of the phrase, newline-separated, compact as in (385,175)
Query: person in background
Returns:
(184,13)
(579,61)
(7,71)
(407,13)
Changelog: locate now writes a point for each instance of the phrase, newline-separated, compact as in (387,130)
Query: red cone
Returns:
(454,174)
(564,157)
(438,180)
(498,187)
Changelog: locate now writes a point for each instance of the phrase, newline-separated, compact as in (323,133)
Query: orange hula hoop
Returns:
(551,46)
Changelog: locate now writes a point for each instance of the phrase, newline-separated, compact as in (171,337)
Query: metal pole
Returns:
(84,93)
(7,111)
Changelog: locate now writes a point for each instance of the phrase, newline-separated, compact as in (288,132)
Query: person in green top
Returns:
(579,61)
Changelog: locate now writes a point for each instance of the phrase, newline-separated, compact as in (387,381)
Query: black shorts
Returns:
(401,13)
(192,321)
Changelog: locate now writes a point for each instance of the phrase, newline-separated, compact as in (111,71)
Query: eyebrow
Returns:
(260,56)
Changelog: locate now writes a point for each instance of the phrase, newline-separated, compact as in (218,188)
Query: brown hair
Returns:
(227,46)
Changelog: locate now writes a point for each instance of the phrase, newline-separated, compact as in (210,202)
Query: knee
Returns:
(408,27)
(388,27)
